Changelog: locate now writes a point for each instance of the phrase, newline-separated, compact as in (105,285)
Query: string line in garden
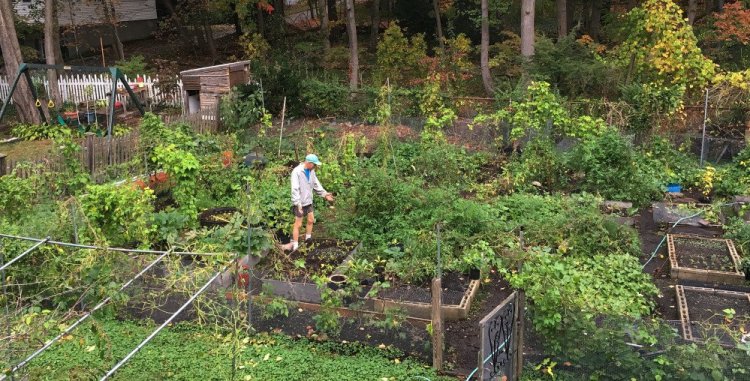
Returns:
(118,249)
(161,327)
(25,253)
(82,319)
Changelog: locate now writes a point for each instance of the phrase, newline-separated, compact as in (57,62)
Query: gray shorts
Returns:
(305,210)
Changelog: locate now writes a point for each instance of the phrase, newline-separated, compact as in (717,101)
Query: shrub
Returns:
(41,131)
(118,215)
(15,196)
(244,108)
(324,98)
(609,166)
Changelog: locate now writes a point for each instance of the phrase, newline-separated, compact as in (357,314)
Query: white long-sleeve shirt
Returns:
(302,187)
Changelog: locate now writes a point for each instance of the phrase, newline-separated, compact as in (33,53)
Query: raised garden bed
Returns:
(708,312)
(704,259)
(289,275)
(458,293)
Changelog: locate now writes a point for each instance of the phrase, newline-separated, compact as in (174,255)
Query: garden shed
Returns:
(203,87)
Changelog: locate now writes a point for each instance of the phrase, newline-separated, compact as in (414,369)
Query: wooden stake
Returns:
(281,132)
(2,164)
(437,324)
(101,45)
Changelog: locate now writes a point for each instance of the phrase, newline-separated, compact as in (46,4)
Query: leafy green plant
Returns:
(41,131)
(118,215)
(135,65)
(183,169)
(325,98)
(244,107)
(610,166)
(16,195)
(567,292)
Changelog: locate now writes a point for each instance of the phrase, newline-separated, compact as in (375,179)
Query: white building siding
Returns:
(89,11)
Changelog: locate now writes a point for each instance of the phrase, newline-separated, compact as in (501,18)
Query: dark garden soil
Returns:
(454,286)
(709,319)
(651,234)
(319,257)
(411,338)
(462,336)
(703,254)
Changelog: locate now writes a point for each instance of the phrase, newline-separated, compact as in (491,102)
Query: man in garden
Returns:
(304,181)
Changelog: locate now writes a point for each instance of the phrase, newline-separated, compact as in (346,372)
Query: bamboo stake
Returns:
(281,132)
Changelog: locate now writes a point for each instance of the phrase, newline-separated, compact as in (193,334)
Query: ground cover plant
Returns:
(460,138)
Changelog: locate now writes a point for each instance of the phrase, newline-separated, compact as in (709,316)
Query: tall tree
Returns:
(22,98)
(527,28)
(325,28)
(333,13)
(692,10)
(595,19)
(485,49)
(375,18)
(438,23)
(110,16)
(52,46)
(562,18)
(351,29)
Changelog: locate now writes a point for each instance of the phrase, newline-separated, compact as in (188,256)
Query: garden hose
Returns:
(673,226)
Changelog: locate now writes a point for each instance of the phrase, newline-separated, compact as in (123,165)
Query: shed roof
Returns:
(205,69)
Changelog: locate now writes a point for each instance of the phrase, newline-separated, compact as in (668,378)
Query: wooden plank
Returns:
(437,324)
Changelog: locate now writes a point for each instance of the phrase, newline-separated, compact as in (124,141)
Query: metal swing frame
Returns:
(24,68)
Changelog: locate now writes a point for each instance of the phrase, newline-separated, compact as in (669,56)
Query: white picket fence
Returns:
(73,89)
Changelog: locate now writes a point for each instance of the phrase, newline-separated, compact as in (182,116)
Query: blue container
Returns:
(674,188)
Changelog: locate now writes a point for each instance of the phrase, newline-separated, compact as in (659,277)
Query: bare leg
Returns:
(310,222)
(295,229)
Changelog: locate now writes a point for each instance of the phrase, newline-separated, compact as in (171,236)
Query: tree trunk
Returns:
(375,30)
(209,36)
(235,18)
(325,28)
(692,10)
(570,14)
(278,7)
(51,46)
(110,16)
(438,22)
(351,29)
(312,5)
(484,50)
(527,28)
(596,19)
(333,14)
(22,98)
(261,22)
(562,18)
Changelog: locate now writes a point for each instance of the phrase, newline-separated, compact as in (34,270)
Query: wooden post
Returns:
(2,164)
(218,115)
(437,324)
(518,328)
(90,152)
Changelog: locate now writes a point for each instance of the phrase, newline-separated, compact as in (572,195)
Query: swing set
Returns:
(25,68)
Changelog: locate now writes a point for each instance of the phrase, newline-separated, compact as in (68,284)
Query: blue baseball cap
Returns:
(313,158)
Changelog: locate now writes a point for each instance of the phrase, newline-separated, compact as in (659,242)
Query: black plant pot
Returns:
(337,281)
(474,274)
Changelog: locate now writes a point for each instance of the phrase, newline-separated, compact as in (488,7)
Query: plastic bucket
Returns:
(674,188)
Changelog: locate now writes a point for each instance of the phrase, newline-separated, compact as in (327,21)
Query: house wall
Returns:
(83,12)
